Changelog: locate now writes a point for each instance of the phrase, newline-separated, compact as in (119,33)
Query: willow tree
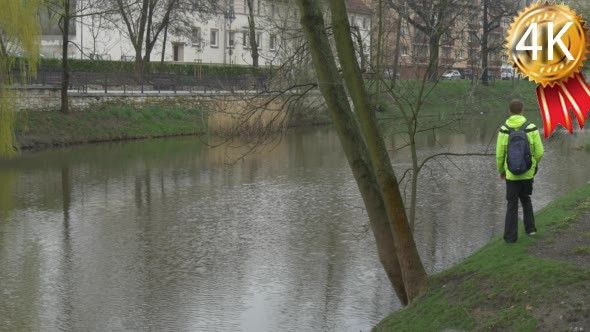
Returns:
(19,35)
(364,147)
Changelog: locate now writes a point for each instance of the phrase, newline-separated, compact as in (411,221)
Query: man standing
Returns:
(518,152)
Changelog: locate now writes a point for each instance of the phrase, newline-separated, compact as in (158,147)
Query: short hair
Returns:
(516,106)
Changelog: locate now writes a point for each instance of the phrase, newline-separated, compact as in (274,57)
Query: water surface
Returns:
(171,235)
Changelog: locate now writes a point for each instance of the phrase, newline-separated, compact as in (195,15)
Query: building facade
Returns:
(219,38)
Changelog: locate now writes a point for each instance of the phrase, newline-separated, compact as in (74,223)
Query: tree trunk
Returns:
(164,43)
(433,49)
(64,56)
(414,275)
(252,33)
(415,171)
(351,139)
(398,38)
(484,44)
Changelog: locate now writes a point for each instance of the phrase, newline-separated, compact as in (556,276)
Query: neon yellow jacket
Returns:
(515,122)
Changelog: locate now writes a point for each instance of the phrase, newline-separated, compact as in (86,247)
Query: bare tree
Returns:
(493,12)
(252,33)
(144,20)
(433,19)
(66,12)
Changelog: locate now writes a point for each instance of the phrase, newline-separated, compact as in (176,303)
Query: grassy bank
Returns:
(43,129)
(541,283)
(463,96)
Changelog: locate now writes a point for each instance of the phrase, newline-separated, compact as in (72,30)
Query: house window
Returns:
(272,10)
(231,38)
(365,23)
(445,37)
(473,19)
(405,30)
(404,50)
(214,37)
(273,42)
(258,39)
(460,53)
(259,5)
(505,58)
(472,37)
(196,36)
(352,21)
(246,39)
(446,52)
(245,6)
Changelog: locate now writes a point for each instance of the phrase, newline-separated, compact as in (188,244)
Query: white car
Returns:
(451,75)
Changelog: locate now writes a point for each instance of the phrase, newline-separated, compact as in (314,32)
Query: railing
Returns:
(85,82)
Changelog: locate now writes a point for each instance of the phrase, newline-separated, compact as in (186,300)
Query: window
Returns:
(352,21)
(460,53)
(405,31)
(213,38)
(472,37)
(505,58)
(273,42)
(245,6)
(258,39)
(196,36)
(231,6)
(365,23)
(404,50)
(246,39)
(272,10)
(259,4)
(445,37)
(473,18)
(231,38)
(446,52)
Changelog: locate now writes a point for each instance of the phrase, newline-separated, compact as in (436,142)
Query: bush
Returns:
(108,66)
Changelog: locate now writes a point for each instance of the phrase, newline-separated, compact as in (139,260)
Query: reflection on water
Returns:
(166,235)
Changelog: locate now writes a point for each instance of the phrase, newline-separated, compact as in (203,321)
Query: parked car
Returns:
(451,75)
(467,74)
(507,73)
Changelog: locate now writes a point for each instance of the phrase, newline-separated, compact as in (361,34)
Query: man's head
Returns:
(516,107)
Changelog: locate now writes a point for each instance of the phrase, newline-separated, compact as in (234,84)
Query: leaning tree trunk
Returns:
(65,82)
(164,43)
(414,275)
(351,140)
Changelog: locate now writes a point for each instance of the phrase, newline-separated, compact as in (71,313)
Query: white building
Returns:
(221,39)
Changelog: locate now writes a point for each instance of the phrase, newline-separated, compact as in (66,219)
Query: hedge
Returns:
(109,66)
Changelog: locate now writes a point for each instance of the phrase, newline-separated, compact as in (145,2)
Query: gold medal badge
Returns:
(548,43)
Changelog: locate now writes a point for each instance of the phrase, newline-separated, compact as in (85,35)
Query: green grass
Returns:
(582,250)
(501,285)
(463,97)
(112,122)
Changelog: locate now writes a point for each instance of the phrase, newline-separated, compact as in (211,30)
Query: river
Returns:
(175,235)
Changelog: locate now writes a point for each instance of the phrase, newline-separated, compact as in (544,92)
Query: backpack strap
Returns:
(530,130)
(526,124)
(505,131)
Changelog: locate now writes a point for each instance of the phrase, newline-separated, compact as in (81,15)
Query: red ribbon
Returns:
(557,101)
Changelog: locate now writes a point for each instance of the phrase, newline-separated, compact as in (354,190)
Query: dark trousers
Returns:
(516,190)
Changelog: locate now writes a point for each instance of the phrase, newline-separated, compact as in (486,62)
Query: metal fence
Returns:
(86,82)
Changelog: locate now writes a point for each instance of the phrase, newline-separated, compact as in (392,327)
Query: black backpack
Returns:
(518,154)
